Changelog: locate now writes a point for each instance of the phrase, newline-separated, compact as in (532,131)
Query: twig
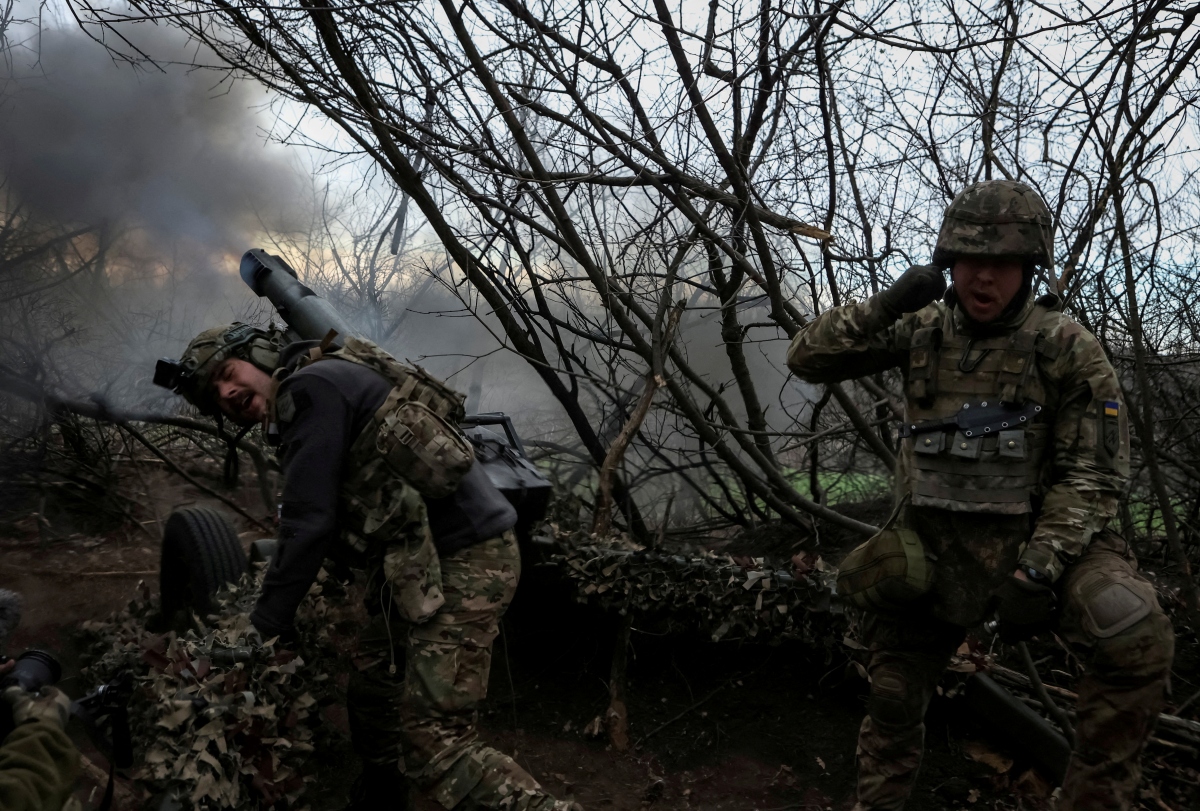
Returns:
(62,573)
(602,519)
(1161,804)
(1061,717)
(123,796)
(228,502)
(98,410)
(672,720)
(1179,710)
(1180,747)
(618,711)
(1182,726)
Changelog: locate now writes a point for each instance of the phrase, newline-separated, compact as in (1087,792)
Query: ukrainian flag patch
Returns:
(1112,408)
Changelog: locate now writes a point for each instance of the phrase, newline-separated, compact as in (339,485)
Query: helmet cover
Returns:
(996,218)
(208,350)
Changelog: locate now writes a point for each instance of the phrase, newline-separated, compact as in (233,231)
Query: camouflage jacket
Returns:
(38,767)
(1076,448)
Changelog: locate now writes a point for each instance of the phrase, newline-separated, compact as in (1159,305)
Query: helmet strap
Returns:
(232,462)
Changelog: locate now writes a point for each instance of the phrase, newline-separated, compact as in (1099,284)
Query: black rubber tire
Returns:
(200,554)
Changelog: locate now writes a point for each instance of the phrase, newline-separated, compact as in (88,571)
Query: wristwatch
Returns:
(1034,575)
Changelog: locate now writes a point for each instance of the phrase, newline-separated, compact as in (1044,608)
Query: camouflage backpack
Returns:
(415,430)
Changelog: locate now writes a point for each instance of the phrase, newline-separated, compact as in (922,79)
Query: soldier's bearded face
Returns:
(242,390)
(986,284)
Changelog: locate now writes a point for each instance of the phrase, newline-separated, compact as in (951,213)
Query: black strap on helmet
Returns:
(232,462)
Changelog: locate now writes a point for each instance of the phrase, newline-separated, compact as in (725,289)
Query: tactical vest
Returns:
(992,469)
(412,436)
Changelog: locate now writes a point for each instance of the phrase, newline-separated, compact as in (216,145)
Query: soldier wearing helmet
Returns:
(442,567)
(1014,454)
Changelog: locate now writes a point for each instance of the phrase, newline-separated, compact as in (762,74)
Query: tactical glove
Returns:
(48,704)
(918,286)
(1023,609)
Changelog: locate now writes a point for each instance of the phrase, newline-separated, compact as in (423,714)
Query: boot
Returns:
(380,787)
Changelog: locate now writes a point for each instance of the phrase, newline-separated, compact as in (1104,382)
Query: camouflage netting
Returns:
(215,733)
(721,596)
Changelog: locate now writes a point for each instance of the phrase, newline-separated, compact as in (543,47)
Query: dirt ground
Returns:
(714,726)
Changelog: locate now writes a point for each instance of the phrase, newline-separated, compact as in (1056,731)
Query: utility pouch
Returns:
(421,446)
(887,573)
(414,430)
(414,574)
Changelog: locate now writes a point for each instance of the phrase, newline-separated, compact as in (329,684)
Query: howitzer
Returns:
(310,317)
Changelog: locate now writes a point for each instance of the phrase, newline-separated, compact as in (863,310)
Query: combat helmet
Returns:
(191,375)
(996,218)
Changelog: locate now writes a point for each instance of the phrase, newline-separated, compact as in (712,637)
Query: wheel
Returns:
(200,554)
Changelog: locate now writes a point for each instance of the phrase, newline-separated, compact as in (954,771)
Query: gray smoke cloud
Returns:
(84,139)
(171,169)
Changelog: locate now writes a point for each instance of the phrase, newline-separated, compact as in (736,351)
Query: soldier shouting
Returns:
(1011,502)
(436,540)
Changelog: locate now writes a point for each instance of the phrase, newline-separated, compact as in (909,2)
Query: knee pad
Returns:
(1129,629)
(1143,651)
(892,701)
(1112,605)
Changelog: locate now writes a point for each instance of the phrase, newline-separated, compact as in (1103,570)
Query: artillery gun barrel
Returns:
(308,316)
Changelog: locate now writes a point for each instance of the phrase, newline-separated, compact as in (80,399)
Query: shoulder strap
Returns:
(413,382)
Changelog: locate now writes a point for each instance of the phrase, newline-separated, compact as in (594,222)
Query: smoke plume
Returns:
(84,139)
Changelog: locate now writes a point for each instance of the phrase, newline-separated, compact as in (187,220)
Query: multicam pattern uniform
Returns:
(415,690)
(980,512)
(421,665)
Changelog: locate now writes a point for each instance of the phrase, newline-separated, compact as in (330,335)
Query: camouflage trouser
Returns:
(423,716)
(1113,622)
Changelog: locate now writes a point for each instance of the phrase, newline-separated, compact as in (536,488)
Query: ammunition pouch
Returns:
(415,430)
(420,446)
(887,573)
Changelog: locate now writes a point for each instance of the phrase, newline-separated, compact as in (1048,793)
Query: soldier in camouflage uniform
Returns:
(38,763)
(1014,519)
(421,665)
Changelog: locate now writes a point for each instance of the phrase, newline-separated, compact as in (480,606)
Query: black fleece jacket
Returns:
(332,401)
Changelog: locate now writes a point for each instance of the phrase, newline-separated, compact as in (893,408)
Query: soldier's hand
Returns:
(1023,609)
(918,286)
(48,704)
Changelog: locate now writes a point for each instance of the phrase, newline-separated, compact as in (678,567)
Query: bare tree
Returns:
(586,166)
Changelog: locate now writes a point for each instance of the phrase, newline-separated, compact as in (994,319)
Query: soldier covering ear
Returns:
(1014,453)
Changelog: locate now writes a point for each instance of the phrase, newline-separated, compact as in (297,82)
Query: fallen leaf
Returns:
(981,753)
(172,721)
(1032,784)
